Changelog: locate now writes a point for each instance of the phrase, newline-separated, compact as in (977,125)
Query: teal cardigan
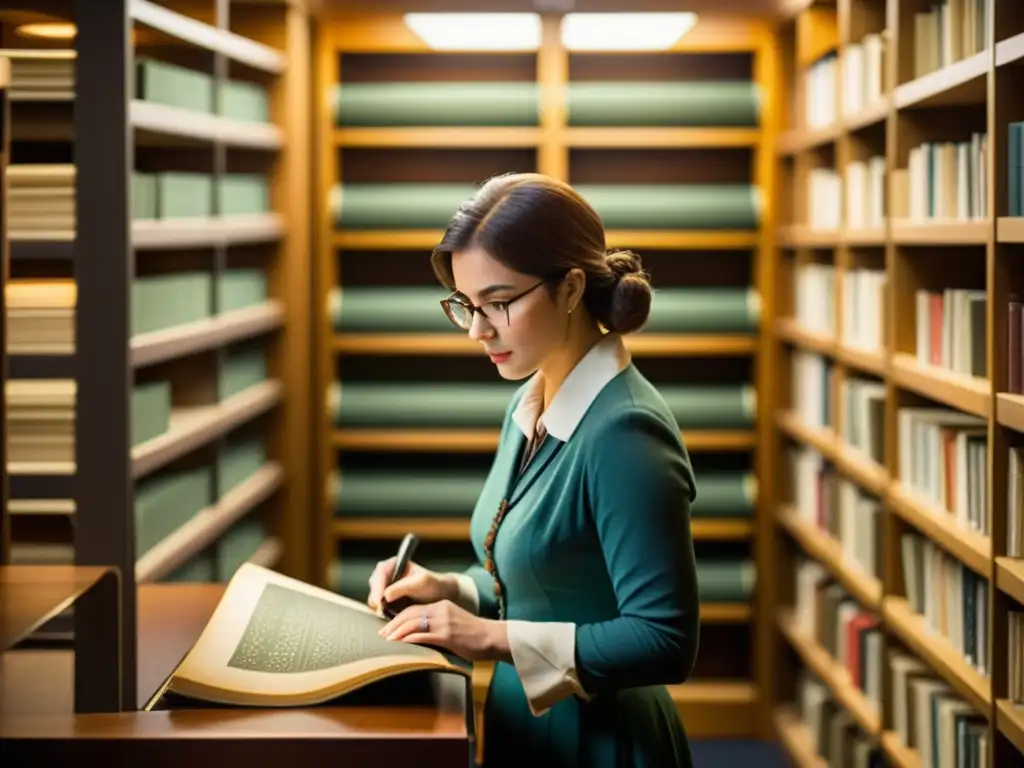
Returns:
(598,534)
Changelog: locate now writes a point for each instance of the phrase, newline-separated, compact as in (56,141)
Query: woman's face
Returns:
(534,326)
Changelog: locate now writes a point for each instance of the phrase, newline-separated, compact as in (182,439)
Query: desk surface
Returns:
(171,617)
(31,595)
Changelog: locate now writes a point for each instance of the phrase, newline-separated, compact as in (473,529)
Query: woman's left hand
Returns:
(445,625)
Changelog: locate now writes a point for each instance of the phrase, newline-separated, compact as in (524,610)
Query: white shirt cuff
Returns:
(544,654)
(468,597)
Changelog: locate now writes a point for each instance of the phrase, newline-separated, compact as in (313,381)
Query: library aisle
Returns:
(223,342)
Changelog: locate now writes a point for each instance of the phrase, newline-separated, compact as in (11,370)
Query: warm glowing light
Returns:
(52,30)
(625,31)
(476,31)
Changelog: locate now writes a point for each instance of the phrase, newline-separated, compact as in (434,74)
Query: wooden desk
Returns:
(31,595)
(434,725)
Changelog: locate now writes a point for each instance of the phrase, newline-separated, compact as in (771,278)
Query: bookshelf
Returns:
(178,214)
(898,265)
(389,463)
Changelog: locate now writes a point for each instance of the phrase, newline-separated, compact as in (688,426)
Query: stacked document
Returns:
(41,316)
(40,425)
(41,201)
(41,75)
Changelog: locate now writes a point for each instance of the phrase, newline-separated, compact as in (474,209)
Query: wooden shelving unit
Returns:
(355,259)
(191,160)
(840,333)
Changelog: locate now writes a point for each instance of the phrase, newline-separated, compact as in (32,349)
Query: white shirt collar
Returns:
(602,363)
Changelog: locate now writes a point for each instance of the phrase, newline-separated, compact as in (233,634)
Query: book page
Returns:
(273,636)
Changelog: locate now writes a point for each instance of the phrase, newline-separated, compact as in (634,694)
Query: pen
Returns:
(405,552)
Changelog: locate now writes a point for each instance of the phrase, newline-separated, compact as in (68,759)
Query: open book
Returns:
(274,641)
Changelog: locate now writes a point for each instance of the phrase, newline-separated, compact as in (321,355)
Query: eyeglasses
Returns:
(460,311)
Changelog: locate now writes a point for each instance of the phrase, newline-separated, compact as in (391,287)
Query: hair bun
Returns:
(630,303)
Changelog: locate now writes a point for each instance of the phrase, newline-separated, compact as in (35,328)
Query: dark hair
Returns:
(540,226)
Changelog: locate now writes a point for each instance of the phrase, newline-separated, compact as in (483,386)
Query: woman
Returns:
(587,596)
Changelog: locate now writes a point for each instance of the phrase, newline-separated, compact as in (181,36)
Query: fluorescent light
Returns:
(50,30)
(476,31)
(624,31)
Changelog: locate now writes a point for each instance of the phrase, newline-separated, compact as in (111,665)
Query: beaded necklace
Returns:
(528,453)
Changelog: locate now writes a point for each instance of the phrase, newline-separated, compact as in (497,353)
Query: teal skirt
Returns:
(631,728)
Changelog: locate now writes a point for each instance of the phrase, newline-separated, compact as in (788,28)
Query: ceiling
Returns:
(759,8)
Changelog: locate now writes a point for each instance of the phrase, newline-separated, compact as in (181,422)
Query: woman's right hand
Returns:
(418,584)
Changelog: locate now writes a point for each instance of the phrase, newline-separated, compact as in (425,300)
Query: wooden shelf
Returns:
(447,136)
(970,547)
(393,528)
(907,232)
(789,329)
(194,426)
(899,755)
(674,239)
(821,438)
(457,529)
(31,595)
(875,113)
(963,82)
(189,30)
(965,393)
(640,344)
(832,673)
(866,237)
(860,468)
(159,124)
(207,526)
(800,140)
(725,613)
(1010,411)
(1010,229)
(477,440)
(871,362)
(679,239)
(1010,50)
(209,232)
(1010,721)
(209,333)
(1010,577)
(865,588)
(797,739)
(938,653)
(660,137)
(802,236)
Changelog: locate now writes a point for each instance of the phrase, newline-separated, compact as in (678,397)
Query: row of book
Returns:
(824,199)
(836,737)
(40,201)
(863,422)
(1015,646)
(949,31)
(950,330)
(41,316)
(944,180)
(821,94)
(851,635)
(41,75)
(174,85)
(951,597)
(1015,502)
(864,183)
(863,323)
(838,508)
(932,719)
(813,382)
(943,458)
(863,67)
(814,297)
